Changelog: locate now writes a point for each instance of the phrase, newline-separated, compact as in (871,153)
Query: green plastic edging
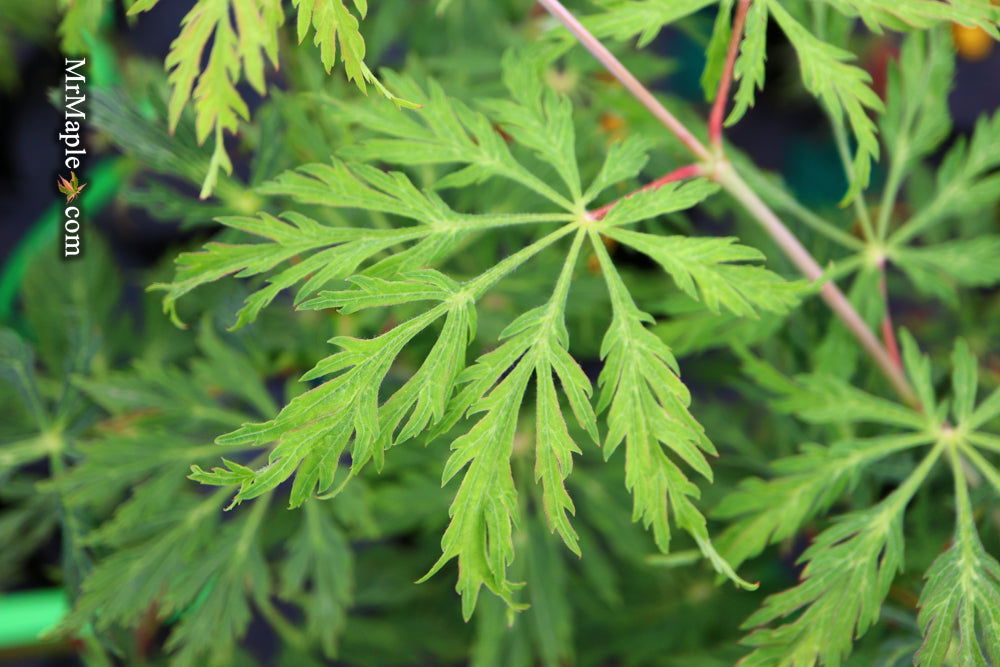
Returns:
(26,615)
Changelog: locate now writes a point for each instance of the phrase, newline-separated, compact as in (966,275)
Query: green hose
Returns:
(103,181)
(26,615)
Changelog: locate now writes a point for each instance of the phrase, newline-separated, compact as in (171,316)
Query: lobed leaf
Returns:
(843,88)
(960,605)
(707,269)
(849,568)
(642,18)
(749,67)
(648,411)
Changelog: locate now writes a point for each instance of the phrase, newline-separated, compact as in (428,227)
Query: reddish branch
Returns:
(722,95)
(721,171)
(888,330)
(690,171)
(627,79)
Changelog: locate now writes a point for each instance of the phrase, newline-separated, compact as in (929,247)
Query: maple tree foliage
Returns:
(454,333)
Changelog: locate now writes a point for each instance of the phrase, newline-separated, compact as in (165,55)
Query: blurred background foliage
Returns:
(106,404)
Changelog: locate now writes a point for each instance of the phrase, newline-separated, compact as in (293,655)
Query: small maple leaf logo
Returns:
(70,188)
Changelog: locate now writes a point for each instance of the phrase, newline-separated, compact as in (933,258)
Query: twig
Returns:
(888,330)
(723,173)
(689,171)
(727,177)
(627,79)
(722,95)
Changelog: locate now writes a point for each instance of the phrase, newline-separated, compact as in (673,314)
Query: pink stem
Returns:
(627,79)
(888,330)
(722,95)
(723,173)
(727,177)
(689,171)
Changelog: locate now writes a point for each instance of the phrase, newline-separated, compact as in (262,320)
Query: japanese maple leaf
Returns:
(70,188)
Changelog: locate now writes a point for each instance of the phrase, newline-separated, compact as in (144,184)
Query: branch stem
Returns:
(722,95)
(627,79)
(888,330)
(727,177)
(721,171)
(688,171)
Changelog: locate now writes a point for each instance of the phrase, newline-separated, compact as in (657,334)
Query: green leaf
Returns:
(17,369)
(849,568)
(485,507)
(27,523)
(331,253)
(960,605)
(191,565)
(79,25)
(824,399)
(139,6)
(242,36)
(910,14)
(448,132)
(918,369)
(718,47)
(916,118)
(966,182)
(964,382)
(234,48)
(707,269)
(769,511)
(550,614)
(669,198)
(937,269)
(749,66)
(554,447)
(648,411)
(318,575)
(625,159)
(538,118)
(690,328)
(209,631)
(645,18)
(314,428)
(843,88)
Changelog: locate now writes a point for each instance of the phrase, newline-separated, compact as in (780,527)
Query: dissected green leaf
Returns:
(966,181)
(960,605)
(645,18)
(909,14)
(769,511)
(848,570)
(916,118)
(749,66)
(708,269)
(318,575)
(648,411)
(937,269)
(243,37)
(842,87)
